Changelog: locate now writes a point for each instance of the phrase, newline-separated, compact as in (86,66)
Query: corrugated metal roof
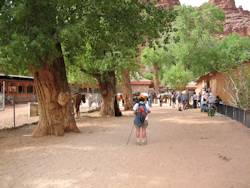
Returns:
(15,77)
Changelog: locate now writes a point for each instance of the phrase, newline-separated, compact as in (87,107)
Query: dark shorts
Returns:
(144,125)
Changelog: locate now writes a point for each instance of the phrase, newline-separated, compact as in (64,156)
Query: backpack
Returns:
(142,112)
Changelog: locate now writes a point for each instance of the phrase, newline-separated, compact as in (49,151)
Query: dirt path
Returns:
(21,113)
(186,149)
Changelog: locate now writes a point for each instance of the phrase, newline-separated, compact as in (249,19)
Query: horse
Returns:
(77,99)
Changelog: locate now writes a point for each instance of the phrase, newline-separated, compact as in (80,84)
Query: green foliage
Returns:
(95,37)
(154,55)
(232,51)
(193,40)
(177,77)
(31,31)
(238,85)
(148,75)
(109,36)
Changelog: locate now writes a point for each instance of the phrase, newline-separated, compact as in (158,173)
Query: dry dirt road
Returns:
(185,150)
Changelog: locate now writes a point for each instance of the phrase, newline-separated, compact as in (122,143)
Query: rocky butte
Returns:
(236,19)
(168,3)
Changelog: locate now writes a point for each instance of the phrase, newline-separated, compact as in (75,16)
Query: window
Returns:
(85,90)
(12,88)
(30,89)
(21,89)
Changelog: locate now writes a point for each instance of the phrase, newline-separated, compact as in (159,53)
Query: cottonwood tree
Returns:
(110,32)
(31,39)
(155,58)
(195,37)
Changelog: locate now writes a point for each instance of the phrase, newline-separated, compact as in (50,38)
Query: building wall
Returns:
(23,90)
(140,88)
(219,84)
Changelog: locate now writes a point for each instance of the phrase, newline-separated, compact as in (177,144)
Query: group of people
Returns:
(184,100)
(208,101)
(204,100)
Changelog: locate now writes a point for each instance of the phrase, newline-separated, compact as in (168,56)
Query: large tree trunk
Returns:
(127,90)
(107,83)
(54,97)
(156,70)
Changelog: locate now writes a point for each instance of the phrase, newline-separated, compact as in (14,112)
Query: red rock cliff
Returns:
(168,3)
(236,19)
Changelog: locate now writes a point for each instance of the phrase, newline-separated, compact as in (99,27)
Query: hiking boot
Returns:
(138,141)
(144,141)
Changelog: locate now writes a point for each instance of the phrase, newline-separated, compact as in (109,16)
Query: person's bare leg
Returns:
(137,134)
(144,135)
(141,136)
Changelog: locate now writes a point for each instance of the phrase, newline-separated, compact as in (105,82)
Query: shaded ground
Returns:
(186,149)
(22,116)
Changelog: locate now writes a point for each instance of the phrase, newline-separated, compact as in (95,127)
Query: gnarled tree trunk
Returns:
(127,90)
(54,97)
(107,83)
(156,70)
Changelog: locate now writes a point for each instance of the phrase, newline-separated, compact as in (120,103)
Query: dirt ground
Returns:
(21,113)
(185,149)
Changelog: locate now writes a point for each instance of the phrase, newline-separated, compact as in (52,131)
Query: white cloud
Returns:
(245,4)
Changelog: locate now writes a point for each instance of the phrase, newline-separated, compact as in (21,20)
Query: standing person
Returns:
(179,98)
(150,99)
(141,110)
(195,99)
(174,99)
(211,104)
(184,100)
(204,105)
(160,99)
(199,100)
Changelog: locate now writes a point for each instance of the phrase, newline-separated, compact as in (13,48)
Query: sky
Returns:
(245,3)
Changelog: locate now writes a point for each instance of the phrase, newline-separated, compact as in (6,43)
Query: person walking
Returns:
(184,100)
(141,110)
(195,100)
(179,99)
(173,99)
(150,99)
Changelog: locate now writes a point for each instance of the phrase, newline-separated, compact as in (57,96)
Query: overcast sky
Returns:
(245,3)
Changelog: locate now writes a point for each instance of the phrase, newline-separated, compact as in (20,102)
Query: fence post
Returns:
(3,95)
(14,111)
(244,119)
(234,113)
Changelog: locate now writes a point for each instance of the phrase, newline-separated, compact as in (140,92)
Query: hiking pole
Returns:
(129,137)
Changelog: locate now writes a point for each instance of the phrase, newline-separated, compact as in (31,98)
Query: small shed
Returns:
(141,85)
(20,86)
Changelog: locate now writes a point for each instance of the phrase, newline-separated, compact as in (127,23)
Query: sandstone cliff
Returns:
(236,19)
(168,3)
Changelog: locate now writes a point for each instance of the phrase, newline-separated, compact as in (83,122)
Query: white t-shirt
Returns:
(135,108)
(137,105)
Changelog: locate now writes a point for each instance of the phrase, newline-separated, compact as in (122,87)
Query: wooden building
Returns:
(141,85)
(216,82)
(219,83)
(22,87)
